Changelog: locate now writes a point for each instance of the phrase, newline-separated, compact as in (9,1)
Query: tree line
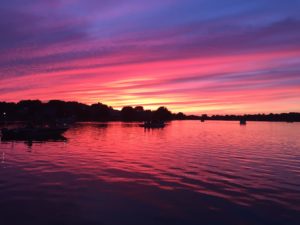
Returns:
(36,110)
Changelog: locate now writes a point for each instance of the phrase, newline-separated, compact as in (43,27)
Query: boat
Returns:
(153,124)
(32,133)
(202,120)
(243,122)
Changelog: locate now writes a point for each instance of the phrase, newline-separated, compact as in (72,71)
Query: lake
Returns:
(188,173)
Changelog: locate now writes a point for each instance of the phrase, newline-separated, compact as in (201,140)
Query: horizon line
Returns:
(140,105)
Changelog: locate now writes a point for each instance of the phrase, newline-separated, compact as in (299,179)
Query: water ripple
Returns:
(219,170)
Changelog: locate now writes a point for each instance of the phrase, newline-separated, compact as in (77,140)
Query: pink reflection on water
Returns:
(242,164)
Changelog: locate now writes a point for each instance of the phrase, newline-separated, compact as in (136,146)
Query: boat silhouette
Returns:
(243,121)
(153,124)
(33,133)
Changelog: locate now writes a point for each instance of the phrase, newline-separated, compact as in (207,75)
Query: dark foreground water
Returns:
(187,173)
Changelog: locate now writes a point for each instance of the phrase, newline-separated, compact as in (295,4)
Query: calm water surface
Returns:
(187,173)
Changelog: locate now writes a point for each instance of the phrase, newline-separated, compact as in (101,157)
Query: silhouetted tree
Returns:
(100,112)
(204,117)
(35,110)
(179,116)
(163,114)
(29,109)
(8,111)
(139,109)
(140,114)
(128,113)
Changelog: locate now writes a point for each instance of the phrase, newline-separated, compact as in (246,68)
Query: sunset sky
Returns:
(194,56)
